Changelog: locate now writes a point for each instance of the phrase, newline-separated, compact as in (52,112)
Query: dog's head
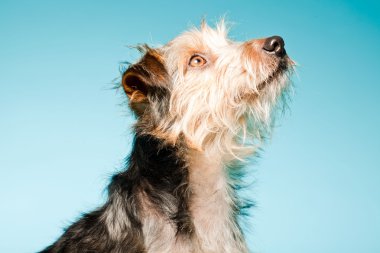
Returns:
(207,89)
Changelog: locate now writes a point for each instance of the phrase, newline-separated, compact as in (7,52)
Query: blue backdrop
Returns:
(64,131)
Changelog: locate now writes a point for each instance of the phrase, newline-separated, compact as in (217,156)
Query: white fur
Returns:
(213,106)
(211,207)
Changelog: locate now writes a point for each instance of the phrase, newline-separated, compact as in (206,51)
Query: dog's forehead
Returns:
(199,40)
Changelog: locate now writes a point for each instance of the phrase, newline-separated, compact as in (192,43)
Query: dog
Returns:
(203,104)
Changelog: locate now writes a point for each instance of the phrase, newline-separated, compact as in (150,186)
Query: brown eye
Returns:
(197,61)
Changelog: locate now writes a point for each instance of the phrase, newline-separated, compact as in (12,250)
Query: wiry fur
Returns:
(228,99)
(193,124)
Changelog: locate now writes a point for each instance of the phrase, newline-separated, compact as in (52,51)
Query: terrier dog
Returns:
(203,103)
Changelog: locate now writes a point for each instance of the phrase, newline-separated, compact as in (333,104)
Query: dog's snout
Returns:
(275,45)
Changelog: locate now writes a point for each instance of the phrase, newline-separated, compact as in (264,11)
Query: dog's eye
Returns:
(197,61)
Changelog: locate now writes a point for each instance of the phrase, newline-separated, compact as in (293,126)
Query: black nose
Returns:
(276,45)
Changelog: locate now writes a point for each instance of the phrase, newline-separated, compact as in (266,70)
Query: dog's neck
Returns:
(211,204)
(206,174)
(189,188)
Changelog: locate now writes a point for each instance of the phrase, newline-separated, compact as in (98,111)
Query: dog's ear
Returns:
(136,89)
(142,79)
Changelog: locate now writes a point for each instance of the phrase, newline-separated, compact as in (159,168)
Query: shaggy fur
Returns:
(203,103)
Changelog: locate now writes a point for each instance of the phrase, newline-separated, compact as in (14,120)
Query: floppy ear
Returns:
(136,89)
(144,80)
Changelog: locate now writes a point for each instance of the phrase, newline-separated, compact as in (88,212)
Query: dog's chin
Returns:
(281,69)
(276,77)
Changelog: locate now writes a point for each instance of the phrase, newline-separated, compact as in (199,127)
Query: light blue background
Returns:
(63,131)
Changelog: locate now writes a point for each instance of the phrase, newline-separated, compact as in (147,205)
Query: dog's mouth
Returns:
(281,69)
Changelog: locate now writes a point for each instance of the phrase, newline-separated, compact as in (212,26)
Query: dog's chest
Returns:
(213,232)
(215,229)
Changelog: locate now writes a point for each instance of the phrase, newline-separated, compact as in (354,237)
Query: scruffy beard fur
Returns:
(196,119)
